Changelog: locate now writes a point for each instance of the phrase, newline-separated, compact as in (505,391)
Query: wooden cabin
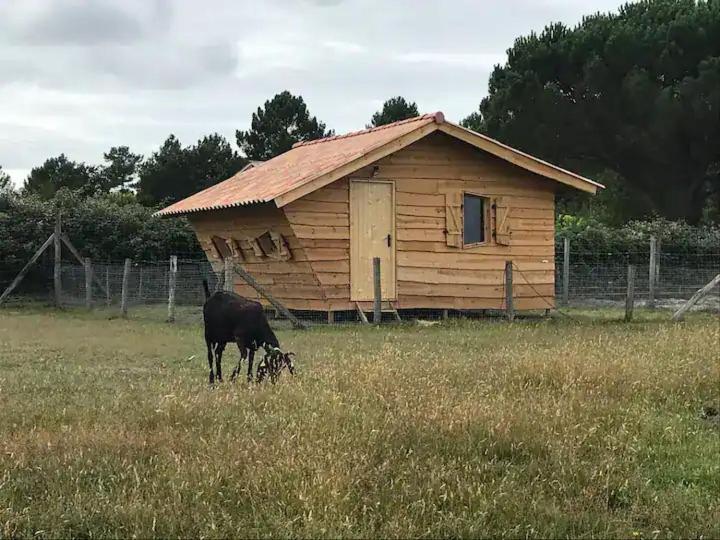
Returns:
(443,208)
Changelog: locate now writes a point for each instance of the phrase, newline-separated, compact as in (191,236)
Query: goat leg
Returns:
(218,361)
(251,358)
(236,371)
(210,361)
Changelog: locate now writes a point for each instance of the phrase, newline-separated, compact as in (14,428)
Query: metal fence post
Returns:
(652,272)
(566,271)
(377,288)
(509,306)
(630,296)
(172,280)
(124,292)
(88,283)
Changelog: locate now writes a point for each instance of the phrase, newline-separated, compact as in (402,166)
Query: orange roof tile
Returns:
(303,163)
(307,161)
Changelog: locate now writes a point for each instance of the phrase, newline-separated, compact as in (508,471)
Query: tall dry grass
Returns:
(536,429)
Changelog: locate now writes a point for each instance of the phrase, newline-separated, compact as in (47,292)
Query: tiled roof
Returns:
(303,163)
(284,177)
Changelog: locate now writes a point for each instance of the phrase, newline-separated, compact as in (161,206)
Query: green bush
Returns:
(106,227)
(590,236)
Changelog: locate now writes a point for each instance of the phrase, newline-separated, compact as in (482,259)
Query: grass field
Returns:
(544,428)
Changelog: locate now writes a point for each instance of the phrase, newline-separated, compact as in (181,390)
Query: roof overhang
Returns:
(426,125)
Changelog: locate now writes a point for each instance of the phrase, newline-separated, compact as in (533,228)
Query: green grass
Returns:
(544,428)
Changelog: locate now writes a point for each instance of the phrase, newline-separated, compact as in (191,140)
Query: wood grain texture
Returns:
(430,273)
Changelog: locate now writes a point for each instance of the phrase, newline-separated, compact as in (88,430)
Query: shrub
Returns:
(106,227)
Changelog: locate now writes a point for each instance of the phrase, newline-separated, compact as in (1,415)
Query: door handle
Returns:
(389,240)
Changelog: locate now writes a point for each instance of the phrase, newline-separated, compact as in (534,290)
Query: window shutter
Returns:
(453,219)
(255,245)
(236,249)
(503,233)
(282,247)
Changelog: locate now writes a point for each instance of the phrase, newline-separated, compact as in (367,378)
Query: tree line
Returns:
(631,99)
(175,171)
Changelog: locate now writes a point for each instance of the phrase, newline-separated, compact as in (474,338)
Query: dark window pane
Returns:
(221,247)
(473,219)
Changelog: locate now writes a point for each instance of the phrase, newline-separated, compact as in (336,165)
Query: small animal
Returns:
(272,364)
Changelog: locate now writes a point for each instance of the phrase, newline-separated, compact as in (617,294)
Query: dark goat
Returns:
(231,318)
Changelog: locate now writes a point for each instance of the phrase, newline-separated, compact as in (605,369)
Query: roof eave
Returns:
(521,159)
(166,212)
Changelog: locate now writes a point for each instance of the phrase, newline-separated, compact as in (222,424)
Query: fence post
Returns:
(57,267)
(566,271)
(630,297)
(228,284)
(88,283)
(172,280)
(124,292)
(377,289)
(107,285)
(330,316)
(652,272)
(509,306)
(140,284)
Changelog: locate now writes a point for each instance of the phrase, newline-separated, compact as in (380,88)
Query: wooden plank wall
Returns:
(293,282)
(433,274)
(321,223)
(430,273)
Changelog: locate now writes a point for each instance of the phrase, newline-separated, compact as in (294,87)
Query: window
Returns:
(223,250)
(273,245)
(266,244)
(474,214)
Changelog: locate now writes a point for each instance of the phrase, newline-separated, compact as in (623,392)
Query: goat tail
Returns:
(206,288)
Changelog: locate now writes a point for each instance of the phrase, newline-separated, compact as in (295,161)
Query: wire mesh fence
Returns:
(600,278)
(592,279)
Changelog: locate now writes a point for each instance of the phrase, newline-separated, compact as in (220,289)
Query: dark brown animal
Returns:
(231,318)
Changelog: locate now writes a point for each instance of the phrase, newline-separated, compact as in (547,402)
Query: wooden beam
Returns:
(394,311)
(25,268)
(377,292)
(566,272)
(125,293)
(509,306)
(630,296)
(228,284)
(88,283)
(80,259)
(653,272)
(361,313)
(172,277)
(521,159)
(358,163)
(270,298)
(680,313)
(57,266)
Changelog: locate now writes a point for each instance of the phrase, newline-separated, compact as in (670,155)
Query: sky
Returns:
(80,76)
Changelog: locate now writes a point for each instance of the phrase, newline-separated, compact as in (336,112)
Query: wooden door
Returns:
(372,234)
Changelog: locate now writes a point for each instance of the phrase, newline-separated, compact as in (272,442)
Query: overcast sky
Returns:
(80,76)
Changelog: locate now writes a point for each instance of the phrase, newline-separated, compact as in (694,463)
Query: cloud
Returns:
(345,47)
(74,22)
(80,76)
(464,60)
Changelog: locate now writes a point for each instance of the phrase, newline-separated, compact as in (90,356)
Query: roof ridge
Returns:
(437,117)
